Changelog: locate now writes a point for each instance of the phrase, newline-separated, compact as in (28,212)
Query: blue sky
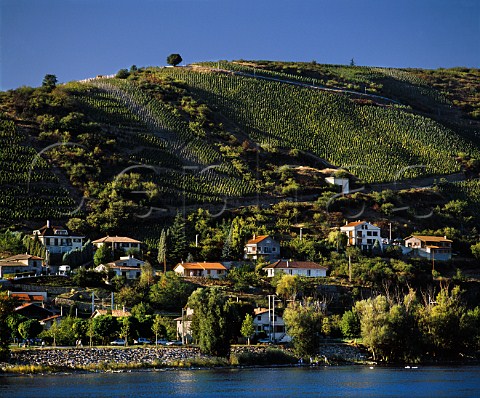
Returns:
(76,39)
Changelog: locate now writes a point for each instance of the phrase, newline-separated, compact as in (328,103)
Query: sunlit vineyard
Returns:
(375,143)
(28,187)
(156,137)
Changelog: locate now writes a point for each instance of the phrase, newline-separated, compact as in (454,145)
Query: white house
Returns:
(118,243)
(301,268)
(271,323)
(127,266)
(362,234)
(263,246)
(184,322)
(213,270)
(431,247)
(20,265)
(343,182)
(58,239)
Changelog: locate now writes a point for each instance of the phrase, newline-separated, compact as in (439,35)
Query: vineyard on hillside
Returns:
(375,143)
(29,188)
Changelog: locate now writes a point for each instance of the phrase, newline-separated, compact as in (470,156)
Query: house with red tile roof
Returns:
(430,247)
(20,265)
(212,270)
(123,243)
(300,268)
(262,246)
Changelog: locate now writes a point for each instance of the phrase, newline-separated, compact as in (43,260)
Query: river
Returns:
(342,381)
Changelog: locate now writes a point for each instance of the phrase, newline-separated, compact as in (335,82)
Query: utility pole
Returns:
(390,235)
(349,268)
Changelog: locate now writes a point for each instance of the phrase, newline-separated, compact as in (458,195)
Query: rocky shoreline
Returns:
(108,358)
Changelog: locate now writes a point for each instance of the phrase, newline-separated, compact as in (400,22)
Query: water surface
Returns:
(348,381)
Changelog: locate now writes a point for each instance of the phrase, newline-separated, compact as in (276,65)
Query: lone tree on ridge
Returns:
(174,59)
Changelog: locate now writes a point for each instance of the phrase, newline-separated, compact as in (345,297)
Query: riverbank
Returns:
(42,360)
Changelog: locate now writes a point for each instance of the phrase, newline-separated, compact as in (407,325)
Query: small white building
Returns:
(300,268)
(271,323)
(430,247)
(263,246)
(212,270)
(343,182)
(362,234)
(58,239)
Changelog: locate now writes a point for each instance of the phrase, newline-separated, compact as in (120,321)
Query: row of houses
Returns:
(366,236)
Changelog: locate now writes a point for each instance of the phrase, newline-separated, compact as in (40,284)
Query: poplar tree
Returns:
(162,250)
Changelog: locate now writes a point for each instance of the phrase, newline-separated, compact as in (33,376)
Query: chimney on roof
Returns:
(48,223)
(254,236)
(288,263)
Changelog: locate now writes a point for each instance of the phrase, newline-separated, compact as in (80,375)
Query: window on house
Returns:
(369,233)
(290,271)
(375,233)
(274,249)
(309,272)
(259,318)
(208,272)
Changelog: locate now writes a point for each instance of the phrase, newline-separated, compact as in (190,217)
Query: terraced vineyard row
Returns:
(162,121)
(153,134)
(28,188)
(375,143)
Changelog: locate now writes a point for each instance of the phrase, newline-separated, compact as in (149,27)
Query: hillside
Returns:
(121,152)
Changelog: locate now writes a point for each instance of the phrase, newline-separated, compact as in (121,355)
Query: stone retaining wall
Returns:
(79,357)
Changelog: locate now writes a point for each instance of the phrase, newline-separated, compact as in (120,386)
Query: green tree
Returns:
(350,324)
(304,323)
(7,305)
(210,321)
(476,250)
(170,292)
(248,328)
(289,286)
(30,329)
(177,240)
(104,327)
(49,82)
(162,250)
(122,74)
(174,59)
(158,327)
(440,322)
(103,255)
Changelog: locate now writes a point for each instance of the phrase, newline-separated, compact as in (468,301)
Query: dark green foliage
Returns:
(177,240)
(76,258)
(34,246)
(105,327)
(11,242)
(88,278)
(103,255)
(174,59)
(30,329)
(171,292)
(7,304)
(271,356)
(350,324)
(49,82)
(210,323)
(304,324)
(122,74)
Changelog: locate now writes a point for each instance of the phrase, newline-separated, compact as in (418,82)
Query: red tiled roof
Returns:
(354,223)
(295,264)
(427,238)
(116,239)
(20,257)
(194,266)
(258,239)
